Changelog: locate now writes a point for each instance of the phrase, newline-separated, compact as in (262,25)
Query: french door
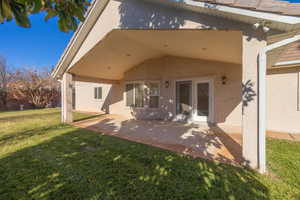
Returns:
(194,100)
(184,100)
(202,103)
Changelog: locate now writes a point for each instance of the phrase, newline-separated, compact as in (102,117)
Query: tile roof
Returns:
(273,6)
(292,52)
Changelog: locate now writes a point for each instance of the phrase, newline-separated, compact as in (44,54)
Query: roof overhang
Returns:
(237,14)
(121,50)
(277,21)
(94,11)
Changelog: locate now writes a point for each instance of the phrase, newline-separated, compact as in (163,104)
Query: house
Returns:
(90,97)
(283,92)
(187,60)
(283,77)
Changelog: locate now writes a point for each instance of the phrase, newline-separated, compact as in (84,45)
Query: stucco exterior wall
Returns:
(84,97)
(283,102)
(135,14)
(227,98)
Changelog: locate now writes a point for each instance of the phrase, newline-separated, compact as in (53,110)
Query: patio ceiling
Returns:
(121,50)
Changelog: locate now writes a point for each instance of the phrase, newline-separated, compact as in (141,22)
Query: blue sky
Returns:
(38,46)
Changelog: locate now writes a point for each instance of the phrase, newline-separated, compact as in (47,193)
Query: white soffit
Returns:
(121,50)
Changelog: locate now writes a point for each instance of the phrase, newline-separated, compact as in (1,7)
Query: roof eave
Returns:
(99,5)
(96,8)
(225,9)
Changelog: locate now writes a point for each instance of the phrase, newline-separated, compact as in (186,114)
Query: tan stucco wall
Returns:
(283,112)
(227,98)
(84,98)
(135,14)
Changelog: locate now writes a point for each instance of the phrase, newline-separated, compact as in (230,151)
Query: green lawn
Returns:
(43,159)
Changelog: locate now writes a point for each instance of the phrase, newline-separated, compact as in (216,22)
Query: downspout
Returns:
(262,99)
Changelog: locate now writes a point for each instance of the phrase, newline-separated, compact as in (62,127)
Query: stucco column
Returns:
(66,101)
(252,45)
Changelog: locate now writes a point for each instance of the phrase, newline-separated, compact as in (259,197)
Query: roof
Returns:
(272,6)
(240,9)
(290,56)
(292,52)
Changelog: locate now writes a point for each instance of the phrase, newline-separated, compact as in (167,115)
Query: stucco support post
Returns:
(252,45)
(262,98)
(66,95)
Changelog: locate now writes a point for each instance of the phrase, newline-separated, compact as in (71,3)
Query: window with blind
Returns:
(98,92)
(135,95)
(136,92)
(153,94)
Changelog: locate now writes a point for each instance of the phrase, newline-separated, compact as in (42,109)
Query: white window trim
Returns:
(98,99)
(144,83)
(125,97)
(159,92)
(211,80)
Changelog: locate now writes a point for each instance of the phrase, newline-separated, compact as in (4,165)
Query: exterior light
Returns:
(256,26)
(262,26)
(266,29)
(167,84)
(224,80)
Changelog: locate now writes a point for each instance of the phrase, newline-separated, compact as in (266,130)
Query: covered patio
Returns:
(196,140)
(223,51)
(176,62)
(206,77)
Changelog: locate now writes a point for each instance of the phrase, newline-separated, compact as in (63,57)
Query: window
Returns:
(129,95)
(135,95)
(136,92)
(98,92)
(74,98)
(153,94)
(139,95)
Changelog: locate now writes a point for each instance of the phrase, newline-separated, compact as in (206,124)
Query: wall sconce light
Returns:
(167,84)
(224,80)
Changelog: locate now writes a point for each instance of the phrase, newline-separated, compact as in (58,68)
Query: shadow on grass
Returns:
(25,134)
(85,117)
(86,165)
(21,116)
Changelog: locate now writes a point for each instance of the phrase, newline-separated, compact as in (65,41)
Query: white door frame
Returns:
(209,118)
(196,80)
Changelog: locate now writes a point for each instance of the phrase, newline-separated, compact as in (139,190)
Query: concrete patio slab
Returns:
(283,136)
(196,140)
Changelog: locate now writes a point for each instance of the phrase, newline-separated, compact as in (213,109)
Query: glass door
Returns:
(183,100)
(202,101)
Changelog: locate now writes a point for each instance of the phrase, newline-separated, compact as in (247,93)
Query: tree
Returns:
(69,12)
(5,77)
(37,88)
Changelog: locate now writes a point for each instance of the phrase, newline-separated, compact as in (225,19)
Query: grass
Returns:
(43,159)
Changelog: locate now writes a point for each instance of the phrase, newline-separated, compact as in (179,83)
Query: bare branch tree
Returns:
(5,77)
(36,87)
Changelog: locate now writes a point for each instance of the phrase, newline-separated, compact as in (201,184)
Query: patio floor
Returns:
(190,139)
